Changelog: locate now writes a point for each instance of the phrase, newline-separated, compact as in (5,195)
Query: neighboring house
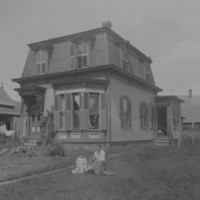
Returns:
(100,86)
(9,112)
(191,111)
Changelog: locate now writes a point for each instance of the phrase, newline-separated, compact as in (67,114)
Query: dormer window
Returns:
(41,62)
(124,60)
(82,55)
(79,55)
(147,75)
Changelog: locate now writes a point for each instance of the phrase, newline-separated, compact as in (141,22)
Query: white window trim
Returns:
(80,90)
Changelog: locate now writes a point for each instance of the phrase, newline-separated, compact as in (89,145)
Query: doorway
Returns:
(162,119)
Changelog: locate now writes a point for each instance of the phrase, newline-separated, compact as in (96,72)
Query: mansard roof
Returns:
(89,34)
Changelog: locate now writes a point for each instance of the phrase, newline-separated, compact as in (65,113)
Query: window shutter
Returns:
(141,123)
(121,110)
(72,56)
(88,54)
(56,112)
(130,113)
(121,57)
(147,119)
(68,113)
(80,112)
(86,111)
(103,111)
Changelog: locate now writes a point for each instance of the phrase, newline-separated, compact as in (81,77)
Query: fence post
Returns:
(193,139)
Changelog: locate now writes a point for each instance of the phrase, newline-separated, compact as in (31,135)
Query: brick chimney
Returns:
(190,93)
(107,24)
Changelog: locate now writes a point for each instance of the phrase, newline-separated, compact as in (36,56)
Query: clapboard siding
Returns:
(59,59)
(48,99)
(98,52)
(136,95)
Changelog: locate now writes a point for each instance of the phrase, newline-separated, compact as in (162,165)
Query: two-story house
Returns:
(100,86)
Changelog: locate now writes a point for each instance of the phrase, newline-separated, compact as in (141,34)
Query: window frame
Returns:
(144,115)
(124,60)
(94,113)
(82,54)
(41,62)
(125,113)
(69,108)
(147,74)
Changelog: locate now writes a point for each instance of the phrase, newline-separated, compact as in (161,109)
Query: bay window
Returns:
(80,110)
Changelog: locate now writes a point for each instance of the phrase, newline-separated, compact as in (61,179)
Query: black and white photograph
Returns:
(99,100)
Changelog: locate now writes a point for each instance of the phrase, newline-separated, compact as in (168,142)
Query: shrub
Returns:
(56,150)
(47,127)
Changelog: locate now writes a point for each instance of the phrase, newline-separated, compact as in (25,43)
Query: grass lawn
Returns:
(145,172)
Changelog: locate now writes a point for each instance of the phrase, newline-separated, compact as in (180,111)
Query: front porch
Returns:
(168,119)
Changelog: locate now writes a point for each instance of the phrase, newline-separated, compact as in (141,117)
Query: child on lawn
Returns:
(81,165)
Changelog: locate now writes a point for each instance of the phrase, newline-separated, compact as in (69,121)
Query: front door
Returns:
(162,119)
(35,130)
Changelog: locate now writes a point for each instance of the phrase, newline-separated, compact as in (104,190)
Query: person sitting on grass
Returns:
(81,165)
(99,160)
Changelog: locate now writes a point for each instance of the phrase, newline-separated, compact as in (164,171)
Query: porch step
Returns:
(31,142)
(161,141)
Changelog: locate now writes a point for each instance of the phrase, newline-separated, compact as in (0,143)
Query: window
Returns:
(176,117)
(143,115)
(69,113)
(94,110)
(82,55)
(147,76)
(152,116)
(124,60)
(76,110)
(125,108)
(41,62)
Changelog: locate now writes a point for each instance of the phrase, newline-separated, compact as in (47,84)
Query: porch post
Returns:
(169,120)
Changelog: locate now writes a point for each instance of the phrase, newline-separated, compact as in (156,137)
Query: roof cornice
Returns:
(114,69)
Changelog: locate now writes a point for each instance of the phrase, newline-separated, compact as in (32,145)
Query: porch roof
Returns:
(34,90)
(9,113)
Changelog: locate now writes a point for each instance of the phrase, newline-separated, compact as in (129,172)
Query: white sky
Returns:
(166,30)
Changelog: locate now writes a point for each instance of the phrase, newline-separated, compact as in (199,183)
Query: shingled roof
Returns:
(5,99)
